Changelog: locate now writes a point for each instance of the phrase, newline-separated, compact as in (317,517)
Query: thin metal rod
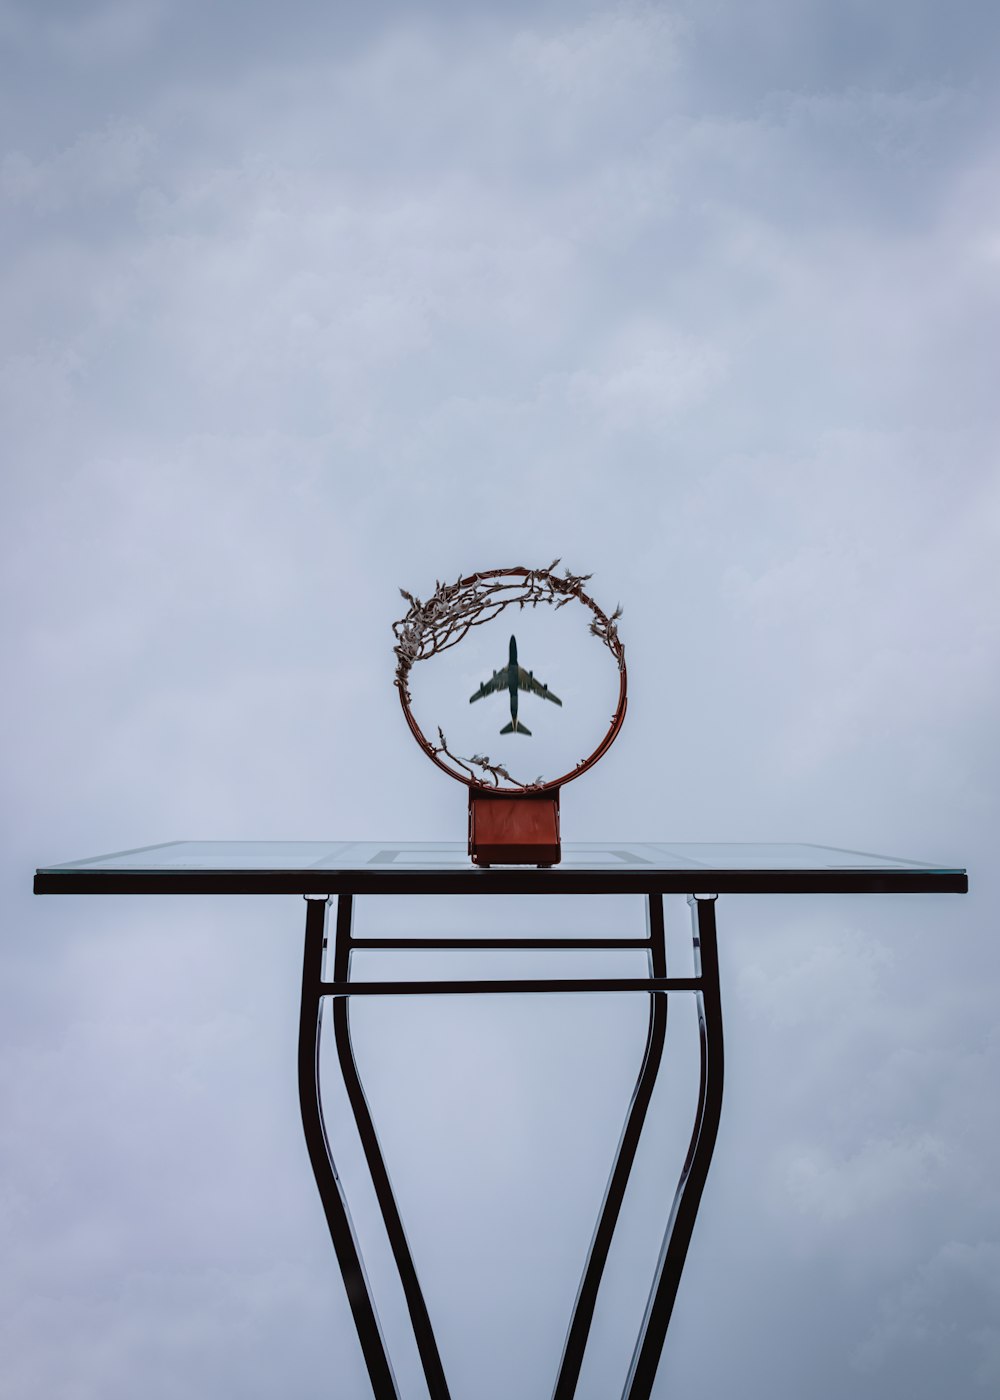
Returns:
(483,986)
(328,1184)
(600,1245)
(646,1357)
(529,943)
(423,1333)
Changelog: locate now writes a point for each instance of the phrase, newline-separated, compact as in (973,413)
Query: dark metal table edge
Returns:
(505,880)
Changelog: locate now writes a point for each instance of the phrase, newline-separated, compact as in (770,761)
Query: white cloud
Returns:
(105,33)
(646,378)
(919,1318)
(835,1191)
(96,165)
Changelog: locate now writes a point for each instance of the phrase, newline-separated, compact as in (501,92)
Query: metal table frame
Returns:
(375,874)
(705,987)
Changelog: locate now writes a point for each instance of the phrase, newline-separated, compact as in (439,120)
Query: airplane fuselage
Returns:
(512,680)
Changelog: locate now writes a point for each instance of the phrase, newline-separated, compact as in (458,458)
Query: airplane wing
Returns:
(497,682)
(527,681)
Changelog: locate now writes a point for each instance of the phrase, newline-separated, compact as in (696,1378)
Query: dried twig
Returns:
(483,762)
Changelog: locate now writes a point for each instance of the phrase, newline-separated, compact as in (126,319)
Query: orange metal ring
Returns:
(616,719)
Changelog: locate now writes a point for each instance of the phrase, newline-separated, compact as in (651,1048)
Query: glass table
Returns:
(323,871)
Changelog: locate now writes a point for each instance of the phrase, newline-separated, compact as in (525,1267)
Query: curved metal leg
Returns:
(600,1245)
(673,1252)
(430,1358)
(327,1181)
(645,1359)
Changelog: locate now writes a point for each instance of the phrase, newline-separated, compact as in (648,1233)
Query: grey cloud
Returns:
(296,312)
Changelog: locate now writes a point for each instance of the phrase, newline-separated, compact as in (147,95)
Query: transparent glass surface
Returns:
(502,916)
(452,855)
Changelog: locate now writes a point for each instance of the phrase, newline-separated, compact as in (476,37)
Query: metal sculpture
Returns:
(510,822)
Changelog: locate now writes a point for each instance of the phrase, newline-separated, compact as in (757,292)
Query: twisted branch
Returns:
(482,761)
(453,608)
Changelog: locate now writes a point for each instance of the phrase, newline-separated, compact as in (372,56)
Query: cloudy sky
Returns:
(303,303)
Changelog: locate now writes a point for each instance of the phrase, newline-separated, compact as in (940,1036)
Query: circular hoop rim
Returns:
(617,719)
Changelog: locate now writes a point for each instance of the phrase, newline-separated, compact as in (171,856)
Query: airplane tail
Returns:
(515,727)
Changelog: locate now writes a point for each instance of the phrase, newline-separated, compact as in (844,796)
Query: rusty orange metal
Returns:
(513,828)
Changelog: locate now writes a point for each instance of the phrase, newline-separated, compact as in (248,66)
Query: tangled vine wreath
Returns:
(445,619)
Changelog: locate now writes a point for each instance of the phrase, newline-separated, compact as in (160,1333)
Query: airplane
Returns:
(513,678)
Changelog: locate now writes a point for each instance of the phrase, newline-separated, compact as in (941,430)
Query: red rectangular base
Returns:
(514,828)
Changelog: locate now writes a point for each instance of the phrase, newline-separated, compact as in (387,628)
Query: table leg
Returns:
(430,1357)
(586,1299)
(673,1252)
(331,1193)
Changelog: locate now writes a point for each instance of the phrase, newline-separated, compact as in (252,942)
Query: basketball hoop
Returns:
(518,833)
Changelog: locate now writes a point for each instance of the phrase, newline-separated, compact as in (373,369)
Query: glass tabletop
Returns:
(439,867)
